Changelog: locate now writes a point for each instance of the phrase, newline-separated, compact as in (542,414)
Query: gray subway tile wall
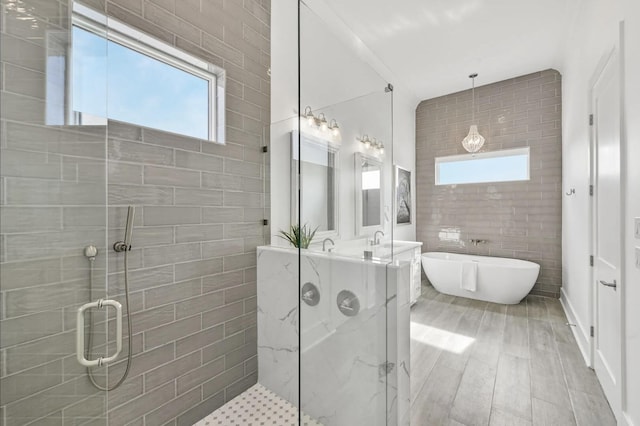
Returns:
(518,219)
(198,222)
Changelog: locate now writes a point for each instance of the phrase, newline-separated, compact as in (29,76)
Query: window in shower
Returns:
(494,166)
(147,82)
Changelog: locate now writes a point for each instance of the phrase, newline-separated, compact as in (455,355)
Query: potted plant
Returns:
(299,237)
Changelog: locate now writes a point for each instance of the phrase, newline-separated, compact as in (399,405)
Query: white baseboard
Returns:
(580,332)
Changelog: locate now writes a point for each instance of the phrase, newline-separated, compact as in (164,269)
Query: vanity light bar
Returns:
(320,122)
(372,143)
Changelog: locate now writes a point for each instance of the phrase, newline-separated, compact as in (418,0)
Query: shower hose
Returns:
(106,387)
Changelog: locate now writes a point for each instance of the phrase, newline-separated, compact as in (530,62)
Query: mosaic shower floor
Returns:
(257,406)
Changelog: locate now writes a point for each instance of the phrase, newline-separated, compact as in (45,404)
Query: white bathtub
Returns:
(499,280)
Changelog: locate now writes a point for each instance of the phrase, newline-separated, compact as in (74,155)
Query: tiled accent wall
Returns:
(198,222)
(518,219)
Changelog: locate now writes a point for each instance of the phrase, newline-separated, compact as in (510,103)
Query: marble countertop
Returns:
(354,250)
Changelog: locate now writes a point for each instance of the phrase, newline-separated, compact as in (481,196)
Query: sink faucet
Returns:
(324,244)
(376,240)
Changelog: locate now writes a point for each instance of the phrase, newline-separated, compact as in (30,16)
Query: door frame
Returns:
(615,53)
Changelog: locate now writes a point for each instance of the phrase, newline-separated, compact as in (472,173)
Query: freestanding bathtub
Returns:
(499,280)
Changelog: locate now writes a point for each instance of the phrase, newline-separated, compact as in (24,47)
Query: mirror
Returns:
(369,201)
(318,183)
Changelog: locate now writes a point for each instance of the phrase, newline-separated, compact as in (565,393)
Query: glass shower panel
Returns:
(53,228)
(350,361)
(277,272)
(345,360)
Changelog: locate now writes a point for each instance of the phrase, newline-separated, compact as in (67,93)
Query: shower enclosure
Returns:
(127,227)
(94,152)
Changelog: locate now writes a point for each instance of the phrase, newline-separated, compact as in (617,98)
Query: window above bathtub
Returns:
(117,72)
(507,165)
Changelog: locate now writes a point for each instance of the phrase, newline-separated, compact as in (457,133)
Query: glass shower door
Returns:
(352,360)
(53,210)
(347,282)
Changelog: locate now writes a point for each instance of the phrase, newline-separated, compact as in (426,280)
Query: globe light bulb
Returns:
(324,126)
(308,115)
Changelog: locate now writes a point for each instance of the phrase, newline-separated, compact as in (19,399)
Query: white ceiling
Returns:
(432,46)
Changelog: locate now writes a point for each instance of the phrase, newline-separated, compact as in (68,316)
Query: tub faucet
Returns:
(324,244)
(376,240)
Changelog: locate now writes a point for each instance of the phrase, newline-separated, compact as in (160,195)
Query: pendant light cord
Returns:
(473,97)
(473,100)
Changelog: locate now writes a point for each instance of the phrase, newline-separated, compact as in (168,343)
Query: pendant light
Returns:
(474,140)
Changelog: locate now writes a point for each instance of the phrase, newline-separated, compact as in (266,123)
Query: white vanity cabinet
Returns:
(411,251)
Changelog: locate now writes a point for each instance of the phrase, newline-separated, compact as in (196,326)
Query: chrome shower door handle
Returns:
(80,333)
(613,285)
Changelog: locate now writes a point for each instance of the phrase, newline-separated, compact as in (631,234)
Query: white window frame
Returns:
(482,155)
(127,36)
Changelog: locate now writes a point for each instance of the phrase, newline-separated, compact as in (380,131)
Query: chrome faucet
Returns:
(324,244)
(376,240)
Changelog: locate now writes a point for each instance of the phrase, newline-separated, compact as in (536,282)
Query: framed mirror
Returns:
(319,177)
(369,194)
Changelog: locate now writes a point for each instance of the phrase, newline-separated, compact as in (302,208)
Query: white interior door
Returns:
(607,235)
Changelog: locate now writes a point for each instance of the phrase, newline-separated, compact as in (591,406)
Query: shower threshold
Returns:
(257,406)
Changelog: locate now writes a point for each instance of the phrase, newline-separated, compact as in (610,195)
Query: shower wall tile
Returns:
(206,233)
(201,303)
(30,164)
(163,255)
(220,315)
(171,215)
(221,181)
(198,161)
(518,219)
(130,151)
(139,406)
(27,328)
(171,409)
(223,215)
(221,281)
(200,375)
(195,341)
(172,370)
(30,273)
(170,332)
(31,219)
(171,176)
(140,194)
(201,410)
(221,347)
(163,295)
(203,197)
(230,376)
(198,268)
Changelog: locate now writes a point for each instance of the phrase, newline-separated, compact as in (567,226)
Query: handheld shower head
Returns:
(131,212)
(125,245)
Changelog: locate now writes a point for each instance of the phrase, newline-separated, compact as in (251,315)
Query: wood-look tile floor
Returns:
(478,363)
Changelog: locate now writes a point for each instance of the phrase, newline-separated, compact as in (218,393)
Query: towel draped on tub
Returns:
(469,276)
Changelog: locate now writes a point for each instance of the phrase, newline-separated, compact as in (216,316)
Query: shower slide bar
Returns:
(80,349)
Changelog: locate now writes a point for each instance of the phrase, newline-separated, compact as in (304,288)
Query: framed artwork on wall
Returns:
(403,196)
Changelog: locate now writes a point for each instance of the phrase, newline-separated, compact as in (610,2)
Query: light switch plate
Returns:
(637,227)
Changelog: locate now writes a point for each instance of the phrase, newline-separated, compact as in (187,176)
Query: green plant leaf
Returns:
(298,236)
